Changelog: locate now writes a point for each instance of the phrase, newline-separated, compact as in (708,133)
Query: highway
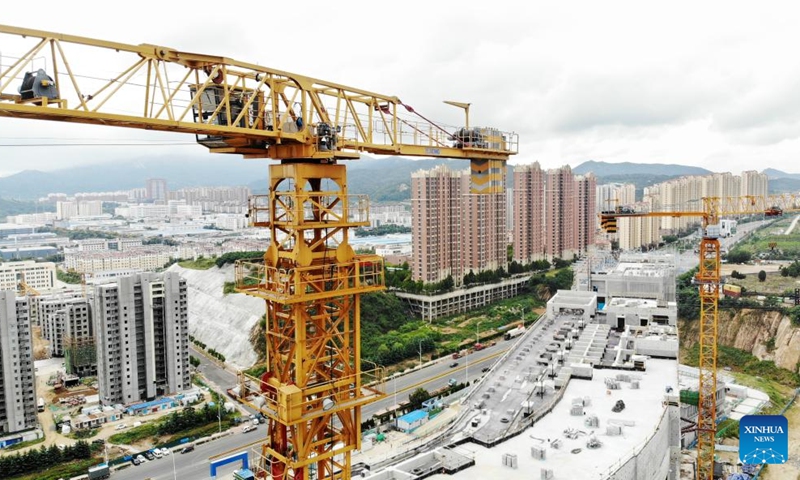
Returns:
(195,465)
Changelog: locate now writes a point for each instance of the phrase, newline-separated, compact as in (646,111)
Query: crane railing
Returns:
(232,106)
(300,284)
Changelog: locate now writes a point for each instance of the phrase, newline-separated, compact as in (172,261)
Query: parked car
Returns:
(140,458)
(248,428)
(187,449)
(454,365)
(149,455)
(485,369)
(135,461)
(156,452)
(166,451)
(121,426)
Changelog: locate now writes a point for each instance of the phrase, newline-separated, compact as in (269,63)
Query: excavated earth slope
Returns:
(222,322)
(751,330)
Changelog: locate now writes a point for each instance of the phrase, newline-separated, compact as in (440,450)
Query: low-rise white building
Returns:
(39,276)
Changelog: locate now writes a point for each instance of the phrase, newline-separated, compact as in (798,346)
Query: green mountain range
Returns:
(384,179)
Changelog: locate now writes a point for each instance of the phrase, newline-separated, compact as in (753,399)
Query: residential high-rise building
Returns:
(560,214)
(90,208)
(140,324)
(436,224)
(528,215)
(453,230)
(754,183)
(613,195)
(586,202)
(157,190)
(66,210)
(484,238)
(17,383)
(67,323)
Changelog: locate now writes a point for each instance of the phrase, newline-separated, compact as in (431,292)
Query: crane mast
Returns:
(310,278)
(708,281)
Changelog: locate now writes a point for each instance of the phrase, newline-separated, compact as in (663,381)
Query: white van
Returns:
(248,428)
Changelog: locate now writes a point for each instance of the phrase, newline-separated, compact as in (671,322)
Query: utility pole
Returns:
(478,332)
(174,473)
(219,413)
(466,371)
(420,354)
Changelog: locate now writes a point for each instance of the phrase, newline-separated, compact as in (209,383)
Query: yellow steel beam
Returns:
(228,100)
(708,280)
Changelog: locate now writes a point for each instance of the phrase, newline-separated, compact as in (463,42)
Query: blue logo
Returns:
(763,439)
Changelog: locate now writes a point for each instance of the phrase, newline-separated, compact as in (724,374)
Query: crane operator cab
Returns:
(240,108)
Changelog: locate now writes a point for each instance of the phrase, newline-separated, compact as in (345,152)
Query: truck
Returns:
(460,354)
(479,347)
(99,471)
(514,332)
(40,404)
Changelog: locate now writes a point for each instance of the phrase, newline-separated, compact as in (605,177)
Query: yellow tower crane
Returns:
(310,278)
(708,282)
(23,288)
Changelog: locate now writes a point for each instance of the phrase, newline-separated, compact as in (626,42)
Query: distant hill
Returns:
(772,173)
(605,169)
(180,171)
(784,185)
(384,179)
(16,207)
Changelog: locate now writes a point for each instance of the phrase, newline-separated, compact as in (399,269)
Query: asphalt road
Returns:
(195,465)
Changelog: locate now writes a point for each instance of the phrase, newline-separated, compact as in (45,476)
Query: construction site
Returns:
(590,390)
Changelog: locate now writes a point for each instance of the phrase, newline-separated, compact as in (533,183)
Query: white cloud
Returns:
(711,84)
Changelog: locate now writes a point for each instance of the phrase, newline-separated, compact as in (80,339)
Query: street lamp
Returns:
(478,332)
(420,354)
(466,370)
(219,413)
(174,473)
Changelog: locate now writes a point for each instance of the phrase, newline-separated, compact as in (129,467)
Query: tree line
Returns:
(43,458)
(190,418)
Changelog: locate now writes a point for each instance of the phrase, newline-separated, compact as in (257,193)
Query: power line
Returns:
(95,144)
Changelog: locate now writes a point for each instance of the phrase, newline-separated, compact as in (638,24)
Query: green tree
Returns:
(762,275)
(417,397)
(739,255)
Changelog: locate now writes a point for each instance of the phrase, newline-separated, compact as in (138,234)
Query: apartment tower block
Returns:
(454,231)
(17,382)
(528,215)
(142,337)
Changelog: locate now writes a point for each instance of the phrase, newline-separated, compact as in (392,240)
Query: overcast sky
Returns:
(710,84)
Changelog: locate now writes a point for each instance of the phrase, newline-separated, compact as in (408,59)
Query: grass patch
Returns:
(728,428)
(83,434)
(777,382)
(228,288)
(786,246)
(778,394)
(134,434)
(201,431)
(201,263)
(256,370)
(64,470)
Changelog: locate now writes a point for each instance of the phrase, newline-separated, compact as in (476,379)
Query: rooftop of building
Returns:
(573,459)
(624,302)
(152,403)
